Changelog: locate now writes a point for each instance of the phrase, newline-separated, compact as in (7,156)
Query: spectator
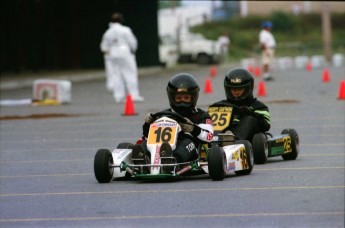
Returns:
(119,46)
(267,44)
(224,42)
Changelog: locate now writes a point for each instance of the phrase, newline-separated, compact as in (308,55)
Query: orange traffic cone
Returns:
(326,77)
(261,89)
(208,86)
(250,69)
(309,67)
(342,90)
(257,71)
(129,107)
(213,71)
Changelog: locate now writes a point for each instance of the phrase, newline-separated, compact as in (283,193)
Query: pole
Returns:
(326,31)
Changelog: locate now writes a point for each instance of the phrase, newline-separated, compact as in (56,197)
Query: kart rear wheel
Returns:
(102,169)
(216,163)
(125,146)
(249,157)
(294,144)
(260,148)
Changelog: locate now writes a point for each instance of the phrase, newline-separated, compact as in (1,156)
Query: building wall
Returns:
(266,7)
(66,34)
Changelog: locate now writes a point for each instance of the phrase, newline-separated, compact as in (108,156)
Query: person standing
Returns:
(267,44)
(224,42)
(118,46)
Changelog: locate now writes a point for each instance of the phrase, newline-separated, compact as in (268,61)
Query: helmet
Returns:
(183,83)
(267,24)
(239,78)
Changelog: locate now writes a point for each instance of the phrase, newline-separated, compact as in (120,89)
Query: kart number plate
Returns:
(162,132)
(220,116)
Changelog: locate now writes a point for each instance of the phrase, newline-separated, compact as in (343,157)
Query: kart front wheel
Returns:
(260,148)
(102,163)
(249,157)
(216,163)
(294,144)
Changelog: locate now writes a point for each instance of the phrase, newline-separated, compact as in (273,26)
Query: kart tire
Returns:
(294,144)
(125,146)
(249,157)
(103,160)
(260,148)
(216,163)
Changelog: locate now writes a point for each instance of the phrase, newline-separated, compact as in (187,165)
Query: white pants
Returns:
(122,77)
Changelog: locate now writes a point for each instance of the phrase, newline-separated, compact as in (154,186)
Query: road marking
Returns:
(301,168)
(89,174)
(45,161)
(170,190)
(322,144)
(179,216)
(88,159)
(49,175)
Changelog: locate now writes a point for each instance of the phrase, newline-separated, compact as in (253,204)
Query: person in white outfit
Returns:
(224,42)
(268,44)
(119,46)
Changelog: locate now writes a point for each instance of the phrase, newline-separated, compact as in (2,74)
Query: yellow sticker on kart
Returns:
(162,132)
(220,116)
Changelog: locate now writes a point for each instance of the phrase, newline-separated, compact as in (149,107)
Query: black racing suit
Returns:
(246,124)
(187,143)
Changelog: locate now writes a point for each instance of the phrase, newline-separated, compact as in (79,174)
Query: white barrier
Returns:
(338,60)
(47,89)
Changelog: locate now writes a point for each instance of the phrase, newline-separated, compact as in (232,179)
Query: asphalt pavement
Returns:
(47,152)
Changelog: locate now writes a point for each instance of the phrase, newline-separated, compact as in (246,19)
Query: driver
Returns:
(250,116)
(183,93)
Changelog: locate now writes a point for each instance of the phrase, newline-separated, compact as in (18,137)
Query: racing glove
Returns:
(188,126)
(149,118)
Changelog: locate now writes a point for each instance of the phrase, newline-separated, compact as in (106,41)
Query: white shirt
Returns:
(266,37)
(118,41)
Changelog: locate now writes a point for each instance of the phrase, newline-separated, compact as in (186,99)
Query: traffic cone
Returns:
(250,69)
(342,90)
(309,67)
(129,107)
(326,77)
(261,89)
(257,71)
(213,71)
(208,86)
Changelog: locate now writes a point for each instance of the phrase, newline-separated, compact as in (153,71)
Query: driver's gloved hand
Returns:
(188,126)
(149,118)
(246,111)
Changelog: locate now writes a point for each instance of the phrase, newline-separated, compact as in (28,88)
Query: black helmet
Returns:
(183,83)
(239,78)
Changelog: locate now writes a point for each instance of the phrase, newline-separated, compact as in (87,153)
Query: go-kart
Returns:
(264,145)
(214,158)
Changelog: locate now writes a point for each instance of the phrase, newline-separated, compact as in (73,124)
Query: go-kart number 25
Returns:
(158,135)
(220,116)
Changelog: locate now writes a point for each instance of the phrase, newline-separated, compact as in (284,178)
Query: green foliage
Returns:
(283,22)
(301,34)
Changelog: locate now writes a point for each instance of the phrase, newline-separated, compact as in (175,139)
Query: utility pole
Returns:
(326,31)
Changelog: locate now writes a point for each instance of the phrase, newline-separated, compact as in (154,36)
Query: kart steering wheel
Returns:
(172,115)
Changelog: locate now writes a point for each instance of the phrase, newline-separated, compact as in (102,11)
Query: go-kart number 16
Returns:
(161,134)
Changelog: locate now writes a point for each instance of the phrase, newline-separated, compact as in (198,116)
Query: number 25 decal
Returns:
(220,117)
